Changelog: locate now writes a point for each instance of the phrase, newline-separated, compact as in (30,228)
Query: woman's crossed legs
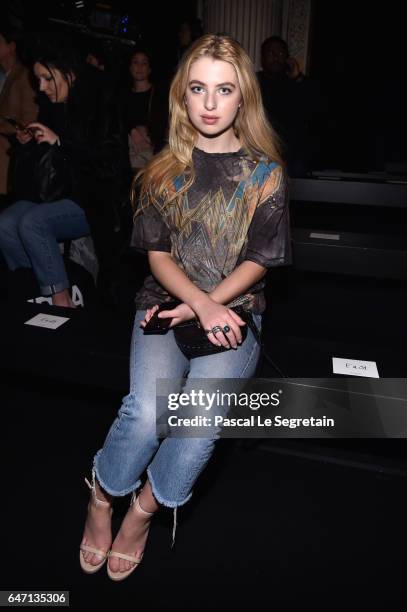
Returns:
(132,446)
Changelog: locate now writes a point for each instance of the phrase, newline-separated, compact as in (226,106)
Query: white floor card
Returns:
(47,320)
(355,367)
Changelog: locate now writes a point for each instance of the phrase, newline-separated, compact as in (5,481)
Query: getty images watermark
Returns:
(261,408)
(219,400)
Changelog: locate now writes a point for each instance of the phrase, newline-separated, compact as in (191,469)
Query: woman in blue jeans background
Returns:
(72,197)
(212,216)
(29,238)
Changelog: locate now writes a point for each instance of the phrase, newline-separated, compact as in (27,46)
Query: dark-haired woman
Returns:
(66,174)
(144,111)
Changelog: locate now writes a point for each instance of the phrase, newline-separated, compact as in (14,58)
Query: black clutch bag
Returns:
(189,335)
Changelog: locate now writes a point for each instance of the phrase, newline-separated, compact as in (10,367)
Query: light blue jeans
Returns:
(29,237)
(131,446)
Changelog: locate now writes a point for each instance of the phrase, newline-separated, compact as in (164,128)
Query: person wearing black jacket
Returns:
(293,103)
(67,173)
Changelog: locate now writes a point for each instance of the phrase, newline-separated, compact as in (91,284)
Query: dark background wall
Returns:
(357,55)
(150,24)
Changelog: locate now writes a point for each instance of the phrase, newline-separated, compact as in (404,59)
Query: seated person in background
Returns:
(66,172)
(143,111)
(16,98)
(292,102)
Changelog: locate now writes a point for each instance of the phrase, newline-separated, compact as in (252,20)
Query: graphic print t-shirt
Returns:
(233,212)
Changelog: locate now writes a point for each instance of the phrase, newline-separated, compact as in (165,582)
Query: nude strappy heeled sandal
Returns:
(88,567)
(136,560)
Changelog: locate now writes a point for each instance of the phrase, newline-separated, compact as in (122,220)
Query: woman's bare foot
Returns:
(98,532)
(132,536)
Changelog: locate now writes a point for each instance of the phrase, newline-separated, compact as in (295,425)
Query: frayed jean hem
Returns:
(109,489)
(168,504)
(160,499)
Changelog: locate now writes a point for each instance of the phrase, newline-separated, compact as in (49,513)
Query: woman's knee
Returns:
(31,221)
(10,218)
(140,409)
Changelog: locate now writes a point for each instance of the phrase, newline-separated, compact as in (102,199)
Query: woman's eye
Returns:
(196,89)
(225,90)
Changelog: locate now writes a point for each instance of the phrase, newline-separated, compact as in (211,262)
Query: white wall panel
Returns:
(252,21)
(249,21)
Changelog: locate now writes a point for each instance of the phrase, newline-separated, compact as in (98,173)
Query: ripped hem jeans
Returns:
(132,447)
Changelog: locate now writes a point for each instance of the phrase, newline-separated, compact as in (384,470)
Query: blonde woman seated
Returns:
(213,218)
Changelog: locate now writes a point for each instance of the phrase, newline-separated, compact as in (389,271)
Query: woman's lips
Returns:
(209,120)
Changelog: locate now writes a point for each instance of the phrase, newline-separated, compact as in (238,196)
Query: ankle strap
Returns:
(92,487)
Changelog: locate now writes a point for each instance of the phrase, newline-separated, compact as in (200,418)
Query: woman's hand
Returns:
(139,137)
(210,315)
(42,133)
(23,136)
(213,315)
(148,315)
(293,68)
(179,314)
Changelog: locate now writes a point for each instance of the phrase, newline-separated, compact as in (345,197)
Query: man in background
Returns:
(293,104)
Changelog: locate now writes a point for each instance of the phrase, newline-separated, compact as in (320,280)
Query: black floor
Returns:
(284,524)
(262,528)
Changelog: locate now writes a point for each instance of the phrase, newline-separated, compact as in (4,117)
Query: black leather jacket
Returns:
(89,166)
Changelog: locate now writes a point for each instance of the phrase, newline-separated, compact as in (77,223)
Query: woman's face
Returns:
(140,67)
(213,96)
(51,82)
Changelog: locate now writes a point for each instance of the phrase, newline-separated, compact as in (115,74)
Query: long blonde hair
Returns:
(255,133)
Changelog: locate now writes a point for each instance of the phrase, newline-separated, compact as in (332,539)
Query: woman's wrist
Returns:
(199,302)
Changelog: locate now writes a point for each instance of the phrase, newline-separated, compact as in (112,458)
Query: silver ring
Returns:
(216,329)
(226,329)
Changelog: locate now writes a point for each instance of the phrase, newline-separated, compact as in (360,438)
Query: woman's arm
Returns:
(167,272)
(195,301)
(247,274)
(172,278)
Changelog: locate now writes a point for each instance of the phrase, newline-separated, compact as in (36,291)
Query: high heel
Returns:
(135,503)
(89,568)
